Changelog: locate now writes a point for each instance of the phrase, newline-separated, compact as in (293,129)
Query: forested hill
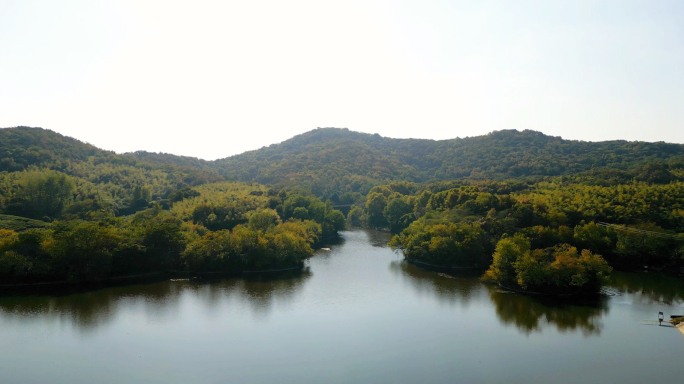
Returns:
(329,158)
(100,175)
(70,211)
(332,160)
(21,147)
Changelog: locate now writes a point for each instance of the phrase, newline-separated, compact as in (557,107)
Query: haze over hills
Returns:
(330,160)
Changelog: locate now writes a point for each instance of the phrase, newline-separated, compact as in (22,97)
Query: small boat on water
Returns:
(325,249)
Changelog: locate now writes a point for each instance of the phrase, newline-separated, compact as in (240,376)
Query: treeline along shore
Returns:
(526,208)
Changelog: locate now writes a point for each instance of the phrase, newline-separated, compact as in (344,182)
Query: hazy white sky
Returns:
(215,78)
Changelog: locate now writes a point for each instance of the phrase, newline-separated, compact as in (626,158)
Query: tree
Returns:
(42,194)
(163,240)
(645,247)
(263,220)
(215,251)
(375,206)
(84,250)
(355,216)
(182,194)
(336,220)
(556,270)
(300,213)
(595,238)
(508,251)
(394,211)
(141,197)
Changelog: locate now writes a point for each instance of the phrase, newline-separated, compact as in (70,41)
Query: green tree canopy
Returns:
(42,194)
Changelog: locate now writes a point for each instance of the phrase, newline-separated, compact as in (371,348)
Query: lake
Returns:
(357,314)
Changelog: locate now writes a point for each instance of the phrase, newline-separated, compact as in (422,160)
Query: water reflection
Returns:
(377,239)
(529,314)
(459,287)
(649,288)
(533,314)
(333,241)
(89,310)
(329,243)
(260,291)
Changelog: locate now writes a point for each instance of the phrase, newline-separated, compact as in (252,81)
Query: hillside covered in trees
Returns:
(72,212)
(331,160)
(529,207)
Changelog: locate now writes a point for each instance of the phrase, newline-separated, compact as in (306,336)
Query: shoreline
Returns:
(524,292)
(421,263)
(680,327)
(162,275)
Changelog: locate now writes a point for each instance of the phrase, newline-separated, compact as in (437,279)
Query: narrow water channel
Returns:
(357,314)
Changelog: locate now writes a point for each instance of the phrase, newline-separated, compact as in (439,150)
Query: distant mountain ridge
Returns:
(21,147)
(102,176)
(333,154)
(337,159)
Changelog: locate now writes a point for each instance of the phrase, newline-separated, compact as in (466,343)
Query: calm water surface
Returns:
(359,314)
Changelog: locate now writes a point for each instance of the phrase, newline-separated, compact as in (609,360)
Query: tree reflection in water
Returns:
(87,310)
(533,314)
(258,291)
(649,287)
(376,239)
(450,288)
(529,314)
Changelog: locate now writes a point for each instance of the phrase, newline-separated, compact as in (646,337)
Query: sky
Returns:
(211,79)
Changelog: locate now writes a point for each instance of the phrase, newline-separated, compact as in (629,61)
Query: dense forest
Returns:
(72,212)
(221,227)
(538,213)
(550,236)
(333,161)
